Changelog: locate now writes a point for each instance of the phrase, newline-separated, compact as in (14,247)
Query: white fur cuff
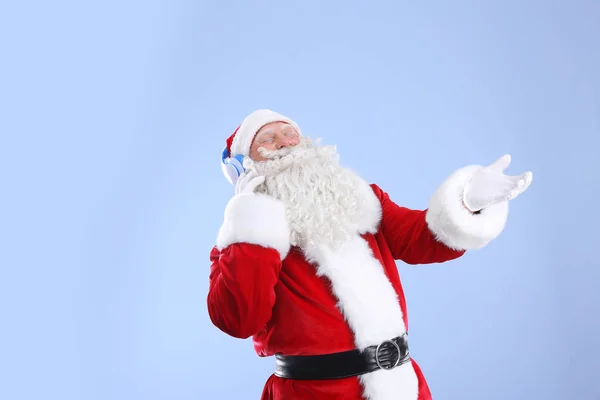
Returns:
(257,219)
(453,224)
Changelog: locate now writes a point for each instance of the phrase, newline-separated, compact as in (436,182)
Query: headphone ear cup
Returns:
(232,167)
(238,163)
(231,172)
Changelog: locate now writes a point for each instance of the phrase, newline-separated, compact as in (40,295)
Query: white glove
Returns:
(489,185)
(248,182)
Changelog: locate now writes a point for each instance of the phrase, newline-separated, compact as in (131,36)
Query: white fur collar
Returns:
(367,300)
(370,217)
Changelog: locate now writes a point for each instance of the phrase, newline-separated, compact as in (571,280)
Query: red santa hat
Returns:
(239,143)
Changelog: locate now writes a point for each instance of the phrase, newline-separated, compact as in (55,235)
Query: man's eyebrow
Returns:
(271,130)
(265,132)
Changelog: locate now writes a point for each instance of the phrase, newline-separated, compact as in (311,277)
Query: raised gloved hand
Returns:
(489,185)
(248,182)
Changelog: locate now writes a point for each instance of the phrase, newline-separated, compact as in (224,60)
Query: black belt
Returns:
(387,355)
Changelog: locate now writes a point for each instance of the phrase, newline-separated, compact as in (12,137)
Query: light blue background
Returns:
(113,117)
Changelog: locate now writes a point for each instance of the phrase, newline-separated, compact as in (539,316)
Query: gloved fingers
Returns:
(250,174)
(500,182)
(488,187)
(253,184)
(501,163)
(243,180)
(526,178)
(520,184)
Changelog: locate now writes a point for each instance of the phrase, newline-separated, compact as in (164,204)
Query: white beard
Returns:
(326,204)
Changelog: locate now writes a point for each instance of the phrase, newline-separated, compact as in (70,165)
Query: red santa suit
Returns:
(297,302)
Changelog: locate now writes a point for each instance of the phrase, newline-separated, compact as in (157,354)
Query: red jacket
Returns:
(263,288)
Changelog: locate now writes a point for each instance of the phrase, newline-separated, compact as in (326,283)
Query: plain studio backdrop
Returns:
(113,118)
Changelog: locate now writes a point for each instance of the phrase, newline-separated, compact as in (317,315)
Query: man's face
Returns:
(273,136)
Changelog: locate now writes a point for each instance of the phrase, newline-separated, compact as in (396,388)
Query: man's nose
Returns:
(285,142)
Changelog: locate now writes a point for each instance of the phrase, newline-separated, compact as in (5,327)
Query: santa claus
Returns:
(304,262)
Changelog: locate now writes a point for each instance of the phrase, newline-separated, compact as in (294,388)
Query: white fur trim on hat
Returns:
(251,125)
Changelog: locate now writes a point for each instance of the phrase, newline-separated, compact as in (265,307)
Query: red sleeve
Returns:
(245,264)
(446,229)
(242,288)
(408,236)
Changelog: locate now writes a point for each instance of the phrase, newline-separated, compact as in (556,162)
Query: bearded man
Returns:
(304,262)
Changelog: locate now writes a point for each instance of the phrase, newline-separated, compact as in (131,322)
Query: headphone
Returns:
(232,167)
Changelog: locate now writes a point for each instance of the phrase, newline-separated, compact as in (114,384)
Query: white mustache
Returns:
(275,154)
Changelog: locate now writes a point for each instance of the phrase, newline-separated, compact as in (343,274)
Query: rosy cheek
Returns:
(255,154)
